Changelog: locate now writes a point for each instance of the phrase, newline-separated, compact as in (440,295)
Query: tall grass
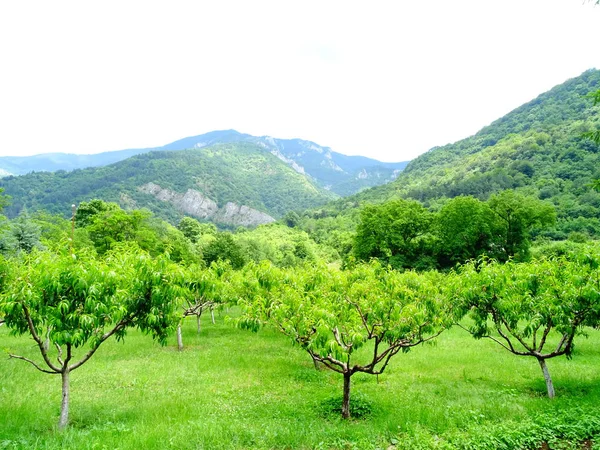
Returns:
(231,389)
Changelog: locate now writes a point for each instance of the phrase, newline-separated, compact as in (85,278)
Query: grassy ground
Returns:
(233,389)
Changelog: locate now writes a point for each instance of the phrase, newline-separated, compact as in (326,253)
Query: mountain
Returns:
(230,184)
(539,149)
(339,173)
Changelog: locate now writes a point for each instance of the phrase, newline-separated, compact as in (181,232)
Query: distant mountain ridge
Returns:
(234,184)
(334,171)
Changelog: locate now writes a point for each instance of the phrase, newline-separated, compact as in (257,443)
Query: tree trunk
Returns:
(547,378)
(317,365)
(212,314)
(179,338)
(64,405)
(346,400)
(198,323)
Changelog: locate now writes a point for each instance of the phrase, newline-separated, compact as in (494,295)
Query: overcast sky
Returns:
(385,79)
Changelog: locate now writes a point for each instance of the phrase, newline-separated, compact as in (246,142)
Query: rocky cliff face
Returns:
(194,203)
(237,215)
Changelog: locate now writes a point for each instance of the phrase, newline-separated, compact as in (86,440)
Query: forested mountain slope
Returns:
(339,173)
(538,148)
(232,184)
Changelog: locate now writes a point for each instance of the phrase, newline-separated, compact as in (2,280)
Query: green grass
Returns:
(233,389)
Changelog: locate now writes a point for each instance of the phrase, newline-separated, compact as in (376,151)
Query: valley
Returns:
(233,291)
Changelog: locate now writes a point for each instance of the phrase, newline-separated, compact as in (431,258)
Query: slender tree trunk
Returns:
(547,377)
(64,405)
(179,338)
(198,327)
(212,314)
(346,400)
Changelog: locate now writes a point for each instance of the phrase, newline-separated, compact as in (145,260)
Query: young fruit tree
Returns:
(531,309)
(71,304)
(205,290)
(333,314)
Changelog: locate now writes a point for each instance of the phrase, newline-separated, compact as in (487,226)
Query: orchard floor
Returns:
(233,389)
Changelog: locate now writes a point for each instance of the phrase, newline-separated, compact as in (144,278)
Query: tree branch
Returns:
(561,348)
(535,331)
(545,335)
(363,319)
(37,339)
(119,326)
(516,335)
(33,363)
(69,355)
(59,357)
(330,362)
(510,347)
(339,340)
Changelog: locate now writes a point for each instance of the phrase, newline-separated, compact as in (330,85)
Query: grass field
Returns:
(232,389)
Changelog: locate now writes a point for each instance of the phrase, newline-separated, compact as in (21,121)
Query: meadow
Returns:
(234,389)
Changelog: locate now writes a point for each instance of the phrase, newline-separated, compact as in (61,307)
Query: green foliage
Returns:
(523,306)
(191,228)
(54,229)
(518,215)
(466,229)
(573,428)
(115,225)
(283,246)
(335,231)
(26,234)
(537,150)
(22,234)
(333,314)
(105,225)
(567,249)
(242,173)
(72,299)
(291,219)
(87,212)
(5,200)
(404,234)
(594,136)
(160,237)
(393,232)
(66,302)
(224,248)
(310,304)
(208,288)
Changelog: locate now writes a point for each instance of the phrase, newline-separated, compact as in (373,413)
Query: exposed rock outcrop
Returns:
(194,203)
(237,215)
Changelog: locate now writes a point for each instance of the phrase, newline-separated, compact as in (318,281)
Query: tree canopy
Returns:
(67,302)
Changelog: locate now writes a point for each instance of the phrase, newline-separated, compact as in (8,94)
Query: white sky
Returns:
(385,79)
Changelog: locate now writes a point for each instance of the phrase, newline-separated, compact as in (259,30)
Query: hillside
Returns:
(231,184)
(538,148)
(339,173)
